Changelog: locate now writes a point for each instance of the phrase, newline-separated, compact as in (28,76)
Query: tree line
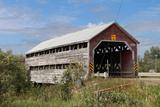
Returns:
(150,61)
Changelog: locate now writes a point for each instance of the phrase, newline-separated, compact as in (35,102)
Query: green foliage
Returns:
(69,79)
(72,74)
(87,98)
(12,76)
(65,92)
(138,95)
(108,99)
(113,97)
(16,91)
(150,60)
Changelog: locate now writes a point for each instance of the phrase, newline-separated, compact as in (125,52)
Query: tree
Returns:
(12,75)
(150,60)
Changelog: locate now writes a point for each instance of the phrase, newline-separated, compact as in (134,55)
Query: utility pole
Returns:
(155,62)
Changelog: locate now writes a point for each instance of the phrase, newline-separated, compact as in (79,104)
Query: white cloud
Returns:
(16,20)
(152,11)
(93,24)
(62,18)
(146,20)
(23,20)
(145,26)
(17,48)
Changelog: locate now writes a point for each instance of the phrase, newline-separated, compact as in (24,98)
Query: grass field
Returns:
(139,93)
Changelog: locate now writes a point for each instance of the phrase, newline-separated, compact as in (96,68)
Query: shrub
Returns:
(87,98)
(69,80)
(12,76)
(134,102)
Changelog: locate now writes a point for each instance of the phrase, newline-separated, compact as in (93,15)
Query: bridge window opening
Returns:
(58,49)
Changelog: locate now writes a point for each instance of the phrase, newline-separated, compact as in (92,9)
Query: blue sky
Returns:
(25,23)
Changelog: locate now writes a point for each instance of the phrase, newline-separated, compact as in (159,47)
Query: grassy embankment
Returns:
(136,94)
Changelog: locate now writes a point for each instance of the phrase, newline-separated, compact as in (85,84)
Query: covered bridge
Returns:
(101,49)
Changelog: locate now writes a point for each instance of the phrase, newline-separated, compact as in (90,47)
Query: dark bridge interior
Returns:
(108,57)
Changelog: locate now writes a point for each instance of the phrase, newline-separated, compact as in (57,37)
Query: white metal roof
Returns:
(75,37)
(79,36)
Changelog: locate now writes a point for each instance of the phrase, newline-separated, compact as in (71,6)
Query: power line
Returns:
(149,44)
(118,12)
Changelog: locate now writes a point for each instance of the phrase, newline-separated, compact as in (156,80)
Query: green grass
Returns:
(30,103)
(139,95)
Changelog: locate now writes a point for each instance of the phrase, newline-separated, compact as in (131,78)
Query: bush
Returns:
(87,98)
(69,80)
(65,92)
(113,97)
(13,78)
(134,102)
(108,99)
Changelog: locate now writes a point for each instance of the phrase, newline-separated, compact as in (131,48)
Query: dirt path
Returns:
(150,81)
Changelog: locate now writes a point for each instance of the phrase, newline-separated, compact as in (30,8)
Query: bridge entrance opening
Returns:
(112,57)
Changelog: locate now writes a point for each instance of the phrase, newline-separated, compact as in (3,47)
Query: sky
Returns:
(25,23)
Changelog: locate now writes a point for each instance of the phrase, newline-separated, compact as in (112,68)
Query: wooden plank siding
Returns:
(58,58)
(54,75)
(47,76)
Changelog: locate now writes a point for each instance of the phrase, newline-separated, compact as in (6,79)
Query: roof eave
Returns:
(102,30)
(129,35)
(54,47)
